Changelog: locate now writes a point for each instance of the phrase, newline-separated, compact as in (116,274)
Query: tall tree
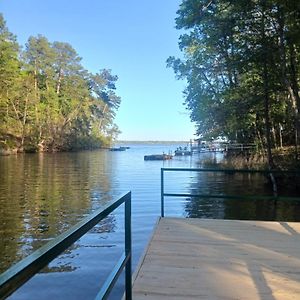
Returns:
(241,62)
(105,100)
(49,101)
(9,75)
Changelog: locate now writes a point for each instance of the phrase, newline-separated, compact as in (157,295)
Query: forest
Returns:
(49,101)
(241,64)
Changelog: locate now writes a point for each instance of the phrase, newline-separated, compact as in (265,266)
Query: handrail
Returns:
(232,170)
(22,271)
(229,171)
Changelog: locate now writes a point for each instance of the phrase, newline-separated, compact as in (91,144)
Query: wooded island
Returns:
(48,101)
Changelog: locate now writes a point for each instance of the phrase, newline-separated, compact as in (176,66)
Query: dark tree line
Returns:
(241,63)
(48,101)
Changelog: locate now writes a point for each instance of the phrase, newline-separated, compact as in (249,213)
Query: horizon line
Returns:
(169,141)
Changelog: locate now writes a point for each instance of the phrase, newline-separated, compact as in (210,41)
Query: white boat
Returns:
(182,151)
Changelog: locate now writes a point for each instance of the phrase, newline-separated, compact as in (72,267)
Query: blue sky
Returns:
(132,38)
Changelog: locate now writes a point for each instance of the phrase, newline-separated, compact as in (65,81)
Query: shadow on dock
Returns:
(220,259)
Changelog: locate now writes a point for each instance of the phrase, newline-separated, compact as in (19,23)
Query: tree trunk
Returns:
(274,137)
(24,121)
(35,76)
(280,135)
(267,118)
(259,137)
(103,113)
(295,93)
(266,92)
(292,88)
(59,81)
(267,101)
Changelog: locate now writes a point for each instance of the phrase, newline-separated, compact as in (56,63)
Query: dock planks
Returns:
(220,259)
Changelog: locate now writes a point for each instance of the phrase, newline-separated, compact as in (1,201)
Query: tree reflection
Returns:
(238,184)
(42,195)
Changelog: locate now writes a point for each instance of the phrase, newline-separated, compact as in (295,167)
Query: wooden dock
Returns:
(220,259)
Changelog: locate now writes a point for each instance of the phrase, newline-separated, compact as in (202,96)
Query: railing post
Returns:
(17,275)
(128,251)
(162,192)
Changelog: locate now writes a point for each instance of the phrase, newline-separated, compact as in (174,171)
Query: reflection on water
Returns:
(240,184)
(42,195)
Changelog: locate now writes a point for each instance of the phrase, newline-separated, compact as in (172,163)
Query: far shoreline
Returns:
(151,142)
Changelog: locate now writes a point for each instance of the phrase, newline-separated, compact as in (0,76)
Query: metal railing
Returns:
(228,171)
(21,272)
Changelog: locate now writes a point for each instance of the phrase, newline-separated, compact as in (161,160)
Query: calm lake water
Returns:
(42,195)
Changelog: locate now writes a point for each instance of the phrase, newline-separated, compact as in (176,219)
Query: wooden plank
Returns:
(220,259)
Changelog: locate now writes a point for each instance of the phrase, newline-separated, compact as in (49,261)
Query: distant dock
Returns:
(220,259)
(158,157)
(223,147)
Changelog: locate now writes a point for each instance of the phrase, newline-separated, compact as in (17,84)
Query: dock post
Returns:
(128,249)
(162,192)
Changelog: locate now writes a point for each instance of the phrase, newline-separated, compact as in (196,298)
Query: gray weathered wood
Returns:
(220,259)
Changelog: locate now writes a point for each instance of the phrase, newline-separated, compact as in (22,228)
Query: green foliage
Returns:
(241,63)
(48,101)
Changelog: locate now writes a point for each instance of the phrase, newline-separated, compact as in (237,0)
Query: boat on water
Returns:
(182,151)
(118,149)
(158,157)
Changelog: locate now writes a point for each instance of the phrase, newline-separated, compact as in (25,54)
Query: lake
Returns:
(42,195)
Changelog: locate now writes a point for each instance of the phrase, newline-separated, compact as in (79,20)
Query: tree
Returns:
(105,101)
(9,75)
(241,63)
(49,101)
